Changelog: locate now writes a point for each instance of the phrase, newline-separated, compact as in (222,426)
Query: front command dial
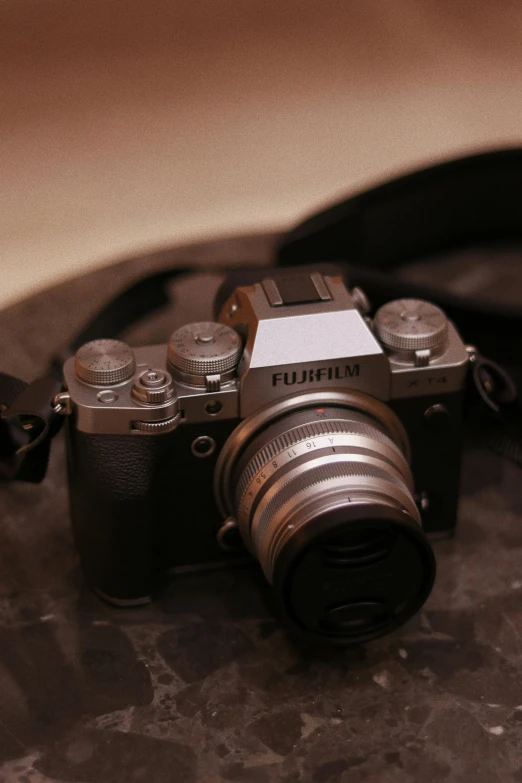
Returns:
(407,326)
(104,362)
(204,349)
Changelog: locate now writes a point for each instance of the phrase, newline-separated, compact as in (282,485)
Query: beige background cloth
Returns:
(131,125)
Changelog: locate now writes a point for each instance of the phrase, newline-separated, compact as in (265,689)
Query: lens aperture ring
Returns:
(284,443)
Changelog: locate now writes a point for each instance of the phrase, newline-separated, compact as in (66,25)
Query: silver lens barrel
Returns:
(307,467)
(322,492)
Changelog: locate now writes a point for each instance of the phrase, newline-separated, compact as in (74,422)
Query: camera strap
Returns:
(29,420)
(472,201)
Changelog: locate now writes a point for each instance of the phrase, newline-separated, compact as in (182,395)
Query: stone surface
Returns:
(204,684)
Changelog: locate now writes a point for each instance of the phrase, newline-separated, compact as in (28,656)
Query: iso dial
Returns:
(412,327)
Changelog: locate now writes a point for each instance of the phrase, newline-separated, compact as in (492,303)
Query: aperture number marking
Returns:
(324,442)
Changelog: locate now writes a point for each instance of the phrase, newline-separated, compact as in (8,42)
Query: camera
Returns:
(295,429)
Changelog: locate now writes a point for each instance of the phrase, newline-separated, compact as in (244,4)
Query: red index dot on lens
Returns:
(319,410)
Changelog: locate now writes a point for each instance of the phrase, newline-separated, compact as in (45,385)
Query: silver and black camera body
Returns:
(297,429)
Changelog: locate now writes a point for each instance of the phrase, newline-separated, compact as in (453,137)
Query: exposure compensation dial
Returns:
(413,330)
(204,354)
(104,362)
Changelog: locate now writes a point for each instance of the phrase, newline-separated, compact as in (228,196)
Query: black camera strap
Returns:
(29,420)
(470,201)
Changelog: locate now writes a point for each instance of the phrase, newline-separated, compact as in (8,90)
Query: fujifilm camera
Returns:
(297,429)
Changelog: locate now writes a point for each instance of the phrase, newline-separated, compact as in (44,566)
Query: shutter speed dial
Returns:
(200,352)
(104,363)
(412,330)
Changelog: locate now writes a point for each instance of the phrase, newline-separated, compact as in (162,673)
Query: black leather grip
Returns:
(114,501)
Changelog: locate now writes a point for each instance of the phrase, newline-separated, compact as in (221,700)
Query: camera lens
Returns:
(323,499)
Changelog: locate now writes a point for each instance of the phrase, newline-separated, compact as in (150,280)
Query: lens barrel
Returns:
(322,495)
